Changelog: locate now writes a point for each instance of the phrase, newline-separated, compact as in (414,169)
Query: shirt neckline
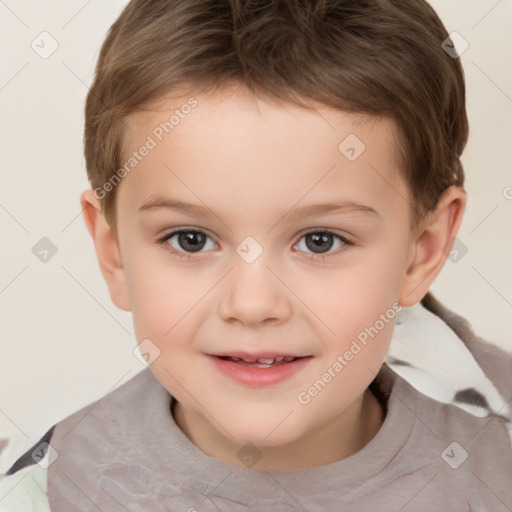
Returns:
(204,471)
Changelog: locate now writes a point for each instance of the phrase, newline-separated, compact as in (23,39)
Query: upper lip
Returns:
(256,355)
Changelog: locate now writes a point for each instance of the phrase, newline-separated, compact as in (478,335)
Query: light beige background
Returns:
(63,342)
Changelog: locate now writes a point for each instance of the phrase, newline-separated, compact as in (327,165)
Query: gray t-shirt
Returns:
(125,452)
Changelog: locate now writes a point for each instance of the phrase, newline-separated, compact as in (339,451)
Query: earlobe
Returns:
(433,245)
(107,249)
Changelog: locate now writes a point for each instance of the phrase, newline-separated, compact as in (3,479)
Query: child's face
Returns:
(242,167)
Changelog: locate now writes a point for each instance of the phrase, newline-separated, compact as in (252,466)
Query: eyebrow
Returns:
(294,214)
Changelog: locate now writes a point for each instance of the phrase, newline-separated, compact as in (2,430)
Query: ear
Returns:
(107,249)
(431,245)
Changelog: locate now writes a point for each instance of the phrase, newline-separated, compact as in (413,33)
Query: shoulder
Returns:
(467,457)
(133,390)
(24,486)
(446,434)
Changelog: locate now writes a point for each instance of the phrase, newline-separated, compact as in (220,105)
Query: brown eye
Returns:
(320,242)
(189,241)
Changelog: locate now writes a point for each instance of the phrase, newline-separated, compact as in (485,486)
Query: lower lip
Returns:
(258,377)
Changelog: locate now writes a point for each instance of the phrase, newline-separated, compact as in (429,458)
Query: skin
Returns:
(249,160)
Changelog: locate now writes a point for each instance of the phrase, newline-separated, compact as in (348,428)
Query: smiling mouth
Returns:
(262,362)
(259,370)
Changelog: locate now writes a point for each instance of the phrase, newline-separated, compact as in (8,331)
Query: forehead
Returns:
(257,153)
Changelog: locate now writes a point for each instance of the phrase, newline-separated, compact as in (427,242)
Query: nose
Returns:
(253,295)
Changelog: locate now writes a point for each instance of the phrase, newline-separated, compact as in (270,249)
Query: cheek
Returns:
(163,296)
(351,299)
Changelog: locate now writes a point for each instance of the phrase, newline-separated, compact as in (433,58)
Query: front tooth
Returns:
(266,361)
(279,359)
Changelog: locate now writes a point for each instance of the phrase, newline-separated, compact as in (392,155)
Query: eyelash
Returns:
(312,256)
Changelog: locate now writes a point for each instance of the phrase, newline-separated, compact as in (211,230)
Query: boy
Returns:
(226,142)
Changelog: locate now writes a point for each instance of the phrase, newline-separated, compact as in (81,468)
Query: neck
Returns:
(341,437)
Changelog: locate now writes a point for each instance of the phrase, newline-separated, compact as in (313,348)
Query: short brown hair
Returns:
(378,57)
